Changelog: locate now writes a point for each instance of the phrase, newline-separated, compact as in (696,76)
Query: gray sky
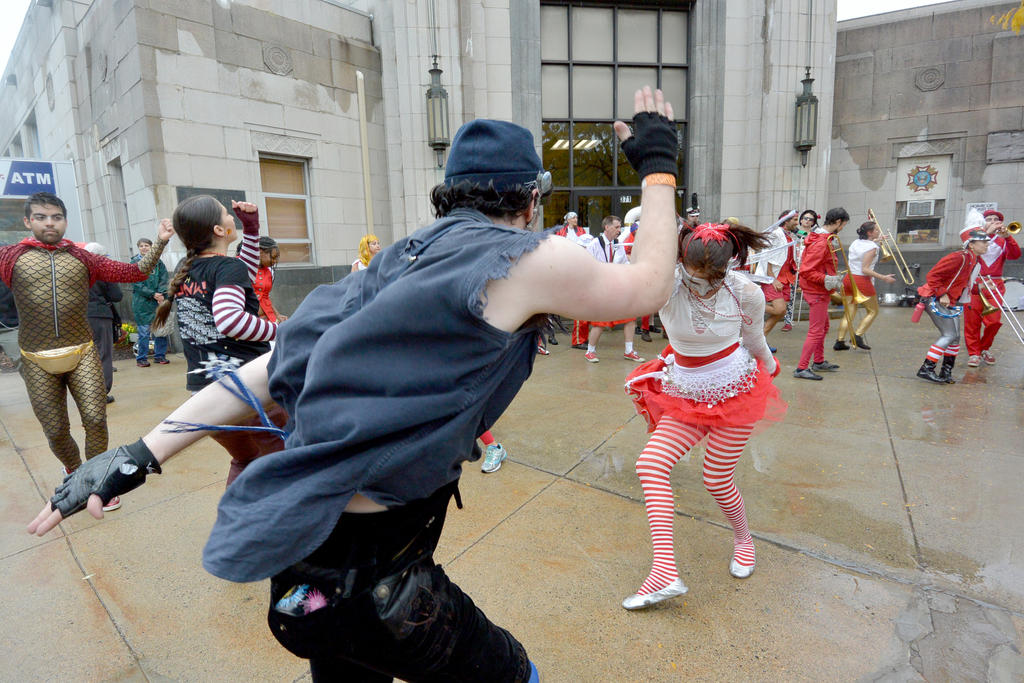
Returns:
(12,13)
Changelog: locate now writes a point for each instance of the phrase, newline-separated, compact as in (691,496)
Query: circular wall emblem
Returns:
(930,78)
(922,178)
(50,98)
(277,60)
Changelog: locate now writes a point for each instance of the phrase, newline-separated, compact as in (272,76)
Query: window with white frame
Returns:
(285,182)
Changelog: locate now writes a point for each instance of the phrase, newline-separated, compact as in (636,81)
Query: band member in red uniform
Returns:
(606,248)
(818,278)
(782,266)
(944,284)
(1001,249)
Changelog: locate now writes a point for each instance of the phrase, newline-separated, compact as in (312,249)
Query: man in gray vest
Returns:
(346,518)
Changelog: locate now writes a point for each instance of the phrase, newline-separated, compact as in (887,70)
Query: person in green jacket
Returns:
(146,296)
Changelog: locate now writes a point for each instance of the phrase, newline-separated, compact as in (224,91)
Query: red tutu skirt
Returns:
(761,402)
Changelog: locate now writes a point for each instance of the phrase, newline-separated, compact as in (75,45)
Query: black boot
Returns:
(946,374)
(840,345)
(927,371)
(861,344)
(552,340)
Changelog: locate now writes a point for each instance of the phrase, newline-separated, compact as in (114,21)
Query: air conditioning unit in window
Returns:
(924,207)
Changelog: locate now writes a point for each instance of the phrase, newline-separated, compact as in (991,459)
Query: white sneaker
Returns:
(112,504)
(987,356)
(636,601)
(973,361)
(739,571)
(495,455)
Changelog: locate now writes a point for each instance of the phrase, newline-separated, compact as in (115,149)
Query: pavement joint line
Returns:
(87,577)
(918,558)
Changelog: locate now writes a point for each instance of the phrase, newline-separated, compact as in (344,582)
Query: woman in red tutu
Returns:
(714,380)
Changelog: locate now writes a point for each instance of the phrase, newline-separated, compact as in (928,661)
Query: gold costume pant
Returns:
(871,312)
(49,397)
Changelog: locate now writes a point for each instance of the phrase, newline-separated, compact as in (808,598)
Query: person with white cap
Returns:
(945,283)
(692,218)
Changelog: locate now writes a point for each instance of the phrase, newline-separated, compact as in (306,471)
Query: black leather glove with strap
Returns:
(654,145)
(109,474)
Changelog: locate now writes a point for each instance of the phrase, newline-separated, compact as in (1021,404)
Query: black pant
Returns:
(391,611)
(103,337)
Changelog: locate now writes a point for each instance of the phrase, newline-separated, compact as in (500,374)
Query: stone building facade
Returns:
(928,119)
(157,99)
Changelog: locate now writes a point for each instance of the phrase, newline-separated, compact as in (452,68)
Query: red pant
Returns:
(978,340)
(244,447)
(580,332)
(818,325)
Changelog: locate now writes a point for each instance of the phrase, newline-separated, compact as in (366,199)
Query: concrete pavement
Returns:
(886,513)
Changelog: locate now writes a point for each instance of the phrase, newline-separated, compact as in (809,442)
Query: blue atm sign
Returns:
(28,177)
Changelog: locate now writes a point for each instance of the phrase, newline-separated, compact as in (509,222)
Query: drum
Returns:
(1014,293)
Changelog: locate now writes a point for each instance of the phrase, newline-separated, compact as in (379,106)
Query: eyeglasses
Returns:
(40,217)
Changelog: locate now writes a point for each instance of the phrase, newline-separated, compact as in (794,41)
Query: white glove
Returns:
(833,282)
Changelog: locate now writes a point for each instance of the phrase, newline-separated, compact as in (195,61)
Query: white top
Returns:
(358,265)
(694,330)
(777,259)
(598,248)
(857,251)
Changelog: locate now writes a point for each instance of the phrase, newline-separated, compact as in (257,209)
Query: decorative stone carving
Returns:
(930,78)
(277,59)
(51,100)
(925,148)
(289,145)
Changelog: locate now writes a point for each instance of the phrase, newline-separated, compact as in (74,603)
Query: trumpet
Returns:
(889,250)
(1013,228)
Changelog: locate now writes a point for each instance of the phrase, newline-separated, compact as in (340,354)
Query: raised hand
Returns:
(242,207)
(653,145)
(165,231)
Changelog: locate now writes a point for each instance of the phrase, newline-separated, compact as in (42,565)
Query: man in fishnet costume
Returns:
(50,278)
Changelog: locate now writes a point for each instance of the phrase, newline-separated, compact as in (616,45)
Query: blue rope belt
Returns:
(938,309)
(220,369)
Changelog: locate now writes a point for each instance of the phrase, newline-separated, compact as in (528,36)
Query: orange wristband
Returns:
(659,179)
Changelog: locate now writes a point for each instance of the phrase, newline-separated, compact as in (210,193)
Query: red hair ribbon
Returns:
(717,232)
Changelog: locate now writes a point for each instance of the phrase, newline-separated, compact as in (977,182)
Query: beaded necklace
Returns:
(701,321)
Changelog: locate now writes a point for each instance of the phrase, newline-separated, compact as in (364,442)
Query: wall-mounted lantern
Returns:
(806,132)
(437,115)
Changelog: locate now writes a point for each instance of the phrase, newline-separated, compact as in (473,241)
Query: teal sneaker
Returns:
(495,455)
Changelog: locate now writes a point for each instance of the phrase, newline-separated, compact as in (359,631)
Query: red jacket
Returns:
(817,262)
(1010,252)
(949,276)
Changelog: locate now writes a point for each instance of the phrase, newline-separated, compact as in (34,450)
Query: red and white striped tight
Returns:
(668,444)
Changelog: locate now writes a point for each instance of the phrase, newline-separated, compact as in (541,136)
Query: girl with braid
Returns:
(218,310)
(714,380)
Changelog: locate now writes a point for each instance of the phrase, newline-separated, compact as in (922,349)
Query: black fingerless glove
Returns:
(109,474)
(654,145)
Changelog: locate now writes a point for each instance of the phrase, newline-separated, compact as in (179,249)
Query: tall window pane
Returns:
(556,152)
(631,79)
(554,92)
(592,92)
(591,34)
(593,153)
(673,38)
(286,199)
(554,33)
(638,35)
(673,83)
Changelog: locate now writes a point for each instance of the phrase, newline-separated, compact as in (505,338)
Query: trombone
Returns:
(996,301)
(889,250)
(849,312)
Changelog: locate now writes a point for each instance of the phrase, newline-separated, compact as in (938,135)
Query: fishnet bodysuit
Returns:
(51,291)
